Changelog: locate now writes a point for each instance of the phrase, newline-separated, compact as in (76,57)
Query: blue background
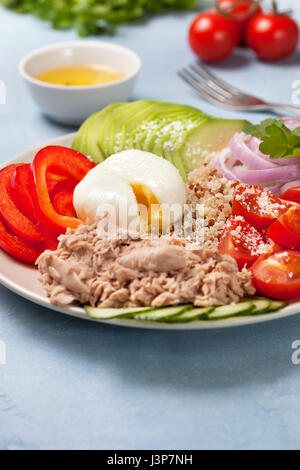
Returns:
(75,384)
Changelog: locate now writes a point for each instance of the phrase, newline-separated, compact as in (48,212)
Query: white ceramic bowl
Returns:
(72,104)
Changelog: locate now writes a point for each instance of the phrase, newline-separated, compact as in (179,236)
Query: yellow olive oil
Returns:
(80,75)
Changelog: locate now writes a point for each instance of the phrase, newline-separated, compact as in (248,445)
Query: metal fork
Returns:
(220,93)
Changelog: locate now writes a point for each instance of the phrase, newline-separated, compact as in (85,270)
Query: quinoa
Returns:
(208,188)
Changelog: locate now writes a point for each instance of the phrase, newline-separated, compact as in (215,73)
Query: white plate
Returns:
(22,280)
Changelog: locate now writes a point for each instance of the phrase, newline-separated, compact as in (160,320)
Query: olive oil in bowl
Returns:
(80,75)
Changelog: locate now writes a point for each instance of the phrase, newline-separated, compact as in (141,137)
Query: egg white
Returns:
(109,184)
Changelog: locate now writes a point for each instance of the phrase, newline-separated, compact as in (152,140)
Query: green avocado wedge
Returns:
(182,134)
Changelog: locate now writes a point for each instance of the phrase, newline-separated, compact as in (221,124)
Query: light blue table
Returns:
(74,384)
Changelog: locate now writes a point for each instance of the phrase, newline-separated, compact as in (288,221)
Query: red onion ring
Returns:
(224,161)
(282,173)
(238,144)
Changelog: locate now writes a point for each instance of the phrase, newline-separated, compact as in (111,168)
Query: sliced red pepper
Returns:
(63,203)
(20,191)
(18,248)
(64,185)
(13,218)
(62,160)
(55,176)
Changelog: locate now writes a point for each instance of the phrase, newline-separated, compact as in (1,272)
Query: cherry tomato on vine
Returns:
(213,36)
(272,36)
(241,12)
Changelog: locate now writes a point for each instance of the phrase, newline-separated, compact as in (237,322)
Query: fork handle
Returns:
(286,107)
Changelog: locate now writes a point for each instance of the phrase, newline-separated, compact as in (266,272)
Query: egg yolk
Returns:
(147,198)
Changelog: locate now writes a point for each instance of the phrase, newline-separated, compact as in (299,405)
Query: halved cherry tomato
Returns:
(258,206)
(20,191)
(15,220)
(278,276)
(292,194)
(241,241)
(286,230)
(20,249)
(60,159)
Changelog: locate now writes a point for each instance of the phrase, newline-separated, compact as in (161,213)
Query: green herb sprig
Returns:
(93,16)
(278,141)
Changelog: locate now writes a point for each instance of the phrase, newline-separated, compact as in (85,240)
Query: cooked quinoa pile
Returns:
(207,187)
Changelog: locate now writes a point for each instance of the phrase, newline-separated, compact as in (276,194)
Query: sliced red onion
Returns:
(225,161)
(238,146)
(291,122)
(276,189)
(254,144)
(291,184)
(284,173)
(243,161)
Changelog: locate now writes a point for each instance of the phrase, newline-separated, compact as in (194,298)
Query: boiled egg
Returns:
(138,189)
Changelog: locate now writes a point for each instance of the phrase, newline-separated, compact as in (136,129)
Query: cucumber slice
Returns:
(110,313)
(191,315)
(232,310)
(162,314)
(276,305)
(261,305)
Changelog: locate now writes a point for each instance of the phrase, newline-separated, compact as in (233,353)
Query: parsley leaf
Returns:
(93,16)
(277,140)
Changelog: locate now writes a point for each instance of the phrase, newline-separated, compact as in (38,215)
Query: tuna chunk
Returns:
(131,271)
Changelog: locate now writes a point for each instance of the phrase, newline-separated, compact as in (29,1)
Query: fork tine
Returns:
(218,81)
(209,82)
(203,86)
(197,87)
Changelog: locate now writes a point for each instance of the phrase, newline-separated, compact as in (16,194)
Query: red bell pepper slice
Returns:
(63,203)
(19,249)
(62,197)
(20,191)
(54,176)
(13,218)
(64,185)
(60,159)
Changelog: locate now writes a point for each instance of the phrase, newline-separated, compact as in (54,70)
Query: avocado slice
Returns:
(156,128)
(128,120)
(182,134)
(147,131)
(174,146)
(210,137)
(103,138)
(80,143)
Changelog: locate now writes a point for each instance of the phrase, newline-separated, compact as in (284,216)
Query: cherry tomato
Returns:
(278,276)
(258,206)
(213,36)
(292,194)
(242,242)
(272,36)
(241,12)
(286,230)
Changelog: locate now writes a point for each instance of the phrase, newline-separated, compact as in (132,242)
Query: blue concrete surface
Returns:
(71,384)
